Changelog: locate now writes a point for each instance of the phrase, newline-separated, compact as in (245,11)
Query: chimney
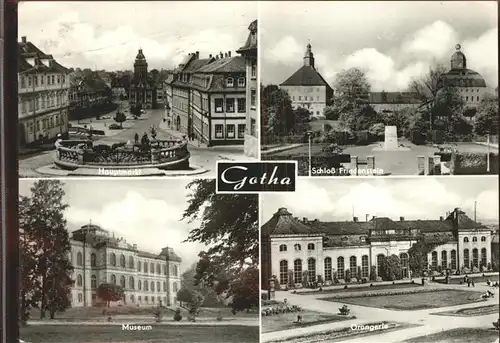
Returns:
(221,55)
(135,246)
(304,219)
(401,219)
(23,39)
(373,217)
(225,55)
(355,219)
(229,54)
(210,56)
(197,54)
(441,218)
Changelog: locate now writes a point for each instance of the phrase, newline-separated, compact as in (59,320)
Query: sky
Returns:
(393,42)
(107,35)
(334,199)
(145,212)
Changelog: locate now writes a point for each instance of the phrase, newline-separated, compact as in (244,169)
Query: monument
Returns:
(391,141)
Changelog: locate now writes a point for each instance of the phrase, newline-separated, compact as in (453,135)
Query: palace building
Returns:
(307,88)
(291,246)
(142,92)
(43,87)
(98,257)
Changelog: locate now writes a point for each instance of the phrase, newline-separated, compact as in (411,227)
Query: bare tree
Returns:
(429,84)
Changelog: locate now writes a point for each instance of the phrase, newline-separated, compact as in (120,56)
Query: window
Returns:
(252,126)
(229,82)
(113,279)
(219,131)
(158,286)
(230,105)
(283,272)
(29,81)
(175,271)
(474,239)
(328,269)
(241,130)
(434,259)
(310,246)
(283,247)
(145,267)
(139,266)
(444,260)
(477,98)
(23,82)
(466,239)
(58,78)
(253,72)
(122,261)
(146,286)
(364,266)
(80,297)
(164,269)
(353,264)
(139,285)
(122,281)
(131,282)
(253,98)
(483,257)
(297,271)
(340,267)
(311,268)
(42,80)
(112,259)
(466,98)
(131,262)
(380,258)
(297,247)
(453,260)
(152,268)
(230,131)
(483,239)
(475,258)
(242,105)
(174,287)
(53,79)
(79,259)
(219,105)
(92,260)
(158,269)
(466,258)
(146,298)
(165,286)
(79,280)
(241,82)
(93,281)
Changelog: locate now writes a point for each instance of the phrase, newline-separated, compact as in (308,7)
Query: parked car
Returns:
(114,127)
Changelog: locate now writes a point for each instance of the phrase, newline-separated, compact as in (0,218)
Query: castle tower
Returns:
(309,57)
(458,60)
(140,67)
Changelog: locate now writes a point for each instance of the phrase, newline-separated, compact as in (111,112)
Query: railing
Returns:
(163,154)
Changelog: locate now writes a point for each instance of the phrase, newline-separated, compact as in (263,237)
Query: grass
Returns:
(475,335)
(159,334)
(414,301)
(286,320)
(477,280)
(364,288)
(471,311)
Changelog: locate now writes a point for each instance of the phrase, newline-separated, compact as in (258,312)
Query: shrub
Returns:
(496,324)
(177,315)
(359,273)
(305,278)
(364,280)
(373,273)
(489,266)
(347,276)
(335,277)
(344,310)
(319,279)
(472,163)
(158,313)
(290,279)
(219,317)
(475,270)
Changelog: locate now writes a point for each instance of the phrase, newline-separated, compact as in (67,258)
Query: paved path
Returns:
(428,323)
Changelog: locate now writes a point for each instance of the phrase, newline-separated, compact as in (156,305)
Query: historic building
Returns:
(142,92)
(43,91)
(88,95)
(99,257)
(291,246)
(249,51)
(307,88)
(206,98)
(470,85)
(386,102)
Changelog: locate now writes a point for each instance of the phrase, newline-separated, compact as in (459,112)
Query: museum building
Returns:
(98,257)
(291,246)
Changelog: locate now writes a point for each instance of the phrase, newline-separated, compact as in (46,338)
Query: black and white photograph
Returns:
(362,88)
(381,260)
(136,88)
(163,260)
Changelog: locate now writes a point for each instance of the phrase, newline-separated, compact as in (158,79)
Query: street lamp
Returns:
(488,153)
(309,138)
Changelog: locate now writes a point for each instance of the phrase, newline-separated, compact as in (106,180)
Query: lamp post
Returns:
(167,260)
(488,153)
(309,138)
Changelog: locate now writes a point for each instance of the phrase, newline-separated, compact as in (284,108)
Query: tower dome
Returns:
(140,59)
(458,60)
(309,56)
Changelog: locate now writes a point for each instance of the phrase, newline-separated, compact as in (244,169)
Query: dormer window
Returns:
(310,246)
(241,82)
(283,247)
(297,247)
(230,82)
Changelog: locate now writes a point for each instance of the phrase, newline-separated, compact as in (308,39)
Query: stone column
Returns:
(430,162)
(271,289)
(354,164)
(437,165)
(421,164)
(370,162)
(154,156)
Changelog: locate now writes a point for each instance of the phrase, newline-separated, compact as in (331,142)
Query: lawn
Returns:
(477,280)
(159,334)
(363,288)
(471,311)
(285,321)
(414,301)
(475,335)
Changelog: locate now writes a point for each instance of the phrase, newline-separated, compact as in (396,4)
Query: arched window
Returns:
(283,272)
(297,247)
(158,289)
(474,239)
(152,268)
(297,271)
(79,280)
(158,269)
(283,247)
(340,267)
(132,298)
(79,259)
(112,259)
(122,281)
(310,246)
(131,282)
(328,269)
(145,267)
(475,258)
(453,259)
(139,285)
(164,269)
(241,82)
(165,286)
(230,82)
(139,266)
(353,266)
(93,260)
(122,261)
(466,258)
(466,239)
(152,286)
(483,239)
(434,259)
(146,286)
(364,266)
(113,279)
(131,262)
(174,287)
(483,257)
(176,270)
(380,258)
(93,281)
(311,268)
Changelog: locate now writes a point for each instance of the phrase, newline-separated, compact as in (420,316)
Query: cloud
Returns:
(431,41)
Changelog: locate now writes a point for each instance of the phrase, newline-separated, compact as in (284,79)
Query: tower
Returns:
(140,67)
(458,60)
(309,57)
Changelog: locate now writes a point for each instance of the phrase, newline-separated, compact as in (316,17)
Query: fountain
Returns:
(391,141)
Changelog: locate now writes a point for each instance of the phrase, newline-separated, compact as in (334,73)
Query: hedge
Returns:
(472,163)
(363,294)
(324,161)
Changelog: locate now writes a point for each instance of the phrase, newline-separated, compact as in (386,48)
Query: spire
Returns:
(309,56)
(458,60)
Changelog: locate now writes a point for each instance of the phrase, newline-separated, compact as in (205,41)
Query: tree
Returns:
(184,295)
(277,115)
(302,119)
(245,290)
(120,118)
(136,110)
(486,120)
(229,226)
(43,229)
(110,292)
(377,130)
(195,305)
(400,118)
(359,118)
(331,112)
(391,268)
(351,85)
(426,87)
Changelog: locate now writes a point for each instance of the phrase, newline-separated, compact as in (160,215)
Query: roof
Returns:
(27,50)
(343,227)
(283,223)
(393,98)
(234,64)
(196,64)
(464,78)
(251,42)
(306,76)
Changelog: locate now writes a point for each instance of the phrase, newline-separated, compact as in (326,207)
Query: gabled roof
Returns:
(283,223)
(196,64)
(306,76)
(342,228)
(251,42)
(27,50)
(234,64)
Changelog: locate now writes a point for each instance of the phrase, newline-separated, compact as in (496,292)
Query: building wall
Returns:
(180,109)
(313,98)
(391,107)
(226,118)
(200,111)
(471,245)
(472,96)
(252,132)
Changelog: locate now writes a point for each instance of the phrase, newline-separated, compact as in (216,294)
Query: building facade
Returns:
(142,92)
(249,51)
(148,279)
(307,88)
(329,249)
(388,102)
(43,88)
(88,95)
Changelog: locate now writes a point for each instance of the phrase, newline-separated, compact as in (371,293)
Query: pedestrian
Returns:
(136,138)
(473,285)
(468,282)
